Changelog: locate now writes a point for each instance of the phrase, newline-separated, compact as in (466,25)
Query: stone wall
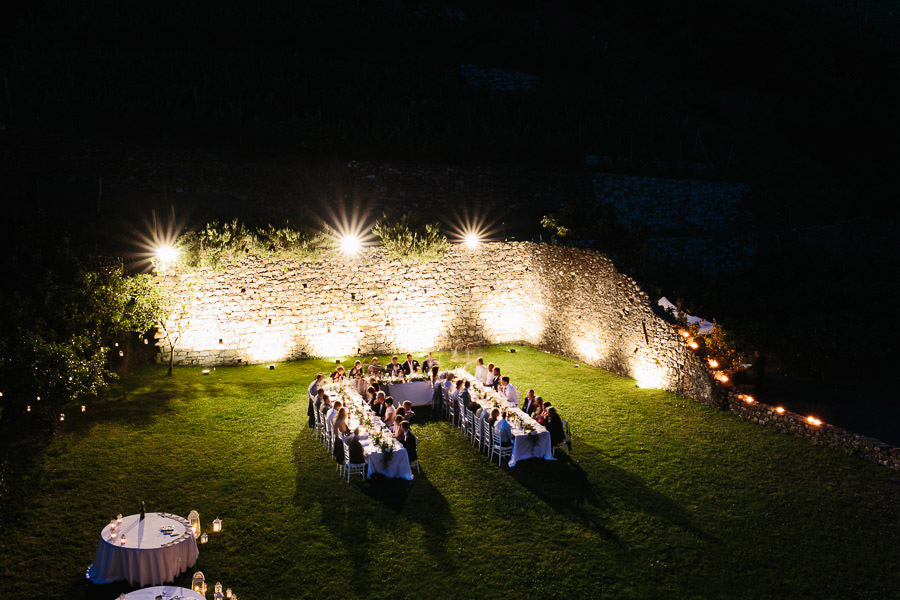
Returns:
(573,302)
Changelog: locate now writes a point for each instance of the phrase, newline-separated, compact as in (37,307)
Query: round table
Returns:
(149,556)
(168,592)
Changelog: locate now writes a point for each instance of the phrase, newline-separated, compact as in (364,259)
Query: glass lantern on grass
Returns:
(217,525)
(194,521)
(198,583)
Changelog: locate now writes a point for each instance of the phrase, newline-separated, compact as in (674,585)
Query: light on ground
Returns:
(350,245)
(472,240)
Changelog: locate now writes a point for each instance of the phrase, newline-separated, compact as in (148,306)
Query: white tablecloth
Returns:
(536,445)
(397,466)
(359,412)
(418,393)
(168,592)
(523,447)
(148,556)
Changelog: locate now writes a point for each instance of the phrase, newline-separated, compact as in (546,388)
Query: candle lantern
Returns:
(198,583)
(204,538)
(119,518)
(217,525)
(122,539)
(228,593)
(121,596)
(218,587)
(194,521)
(62,417)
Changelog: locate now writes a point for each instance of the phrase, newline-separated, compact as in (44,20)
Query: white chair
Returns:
(566,443)
(478,432)
(349,468)
(445,404)
(320,426)
(468,423)
(415,463)
(498,449)
(451,410)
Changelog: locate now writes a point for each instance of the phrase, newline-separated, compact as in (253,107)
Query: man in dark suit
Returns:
(429,363)
(355,449)
(529,403)
(410,442)
(393,369)
(410,366)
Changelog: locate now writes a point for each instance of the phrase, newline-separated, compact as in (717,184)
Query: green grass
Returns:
(661,498)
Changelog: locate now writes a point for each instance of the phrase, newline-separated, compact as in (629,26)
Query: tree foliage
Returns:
(60,319)
(231,240)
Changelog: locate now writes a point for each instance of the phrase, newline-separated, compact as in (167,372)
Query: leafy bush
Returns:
(217,241)
(409,239)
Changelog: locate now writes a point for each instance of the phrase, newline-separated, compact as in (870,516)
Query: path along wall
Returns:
(565,300)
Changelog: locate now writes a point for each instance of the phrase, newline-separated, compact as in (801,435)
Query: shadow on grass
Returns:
(357,525)
(570,491)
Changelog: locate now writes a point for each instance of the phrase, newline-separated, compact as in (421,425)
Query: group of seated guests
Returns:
(335,415)
(363,378)
(534,406)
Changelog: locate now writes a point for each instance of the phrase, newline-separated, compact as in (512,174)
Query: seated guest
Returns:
(361,385)
(332,414)
(374,368)
(436,397)
(528,402)
(389,410)
(429,363)
(369,396)
(339,428)
(340,422)
(408,411)
(481,371)
(538,408)
(554,425)
(397,430)
(379,406)
(373,382)
(401,412)
(494,416)
(503,431)
(410,366)
(323,403)
(394,369)
(510,392)
(356,370)
(543,416)
(313,390)
(463,392)
(338,375)
(355,449)
(493,380)
(409,442)
(457,390)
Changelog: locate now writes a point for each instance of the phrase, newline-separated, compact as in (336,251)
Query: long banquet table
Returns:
(149,556)
(371,427)
(526,444)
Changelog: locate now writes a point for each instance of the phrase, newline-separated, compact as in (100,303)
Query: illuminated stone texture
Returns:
(570,301)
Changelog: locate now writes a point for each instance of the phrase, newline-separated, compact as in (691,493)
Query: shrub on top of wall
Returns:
(409,239)
(216,241)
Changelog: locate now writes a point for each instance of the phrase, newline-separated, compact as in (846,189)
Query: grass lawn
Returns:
(661,498)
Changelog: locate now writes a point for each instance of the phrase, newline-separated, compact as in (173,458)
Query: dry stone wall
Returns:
(565,300)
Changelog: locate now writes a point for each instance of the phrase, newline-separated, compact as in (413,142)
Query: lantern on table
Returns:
(194,521)
(198,583)
(122,539)
(204,538)
(217,525)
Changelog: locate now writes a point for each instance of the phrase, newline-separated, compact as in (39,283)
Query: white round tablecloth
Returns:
(168,592)
(148,556)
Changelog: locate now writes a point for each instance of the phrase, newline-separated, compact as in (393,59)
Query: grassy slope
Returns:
(663,497)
